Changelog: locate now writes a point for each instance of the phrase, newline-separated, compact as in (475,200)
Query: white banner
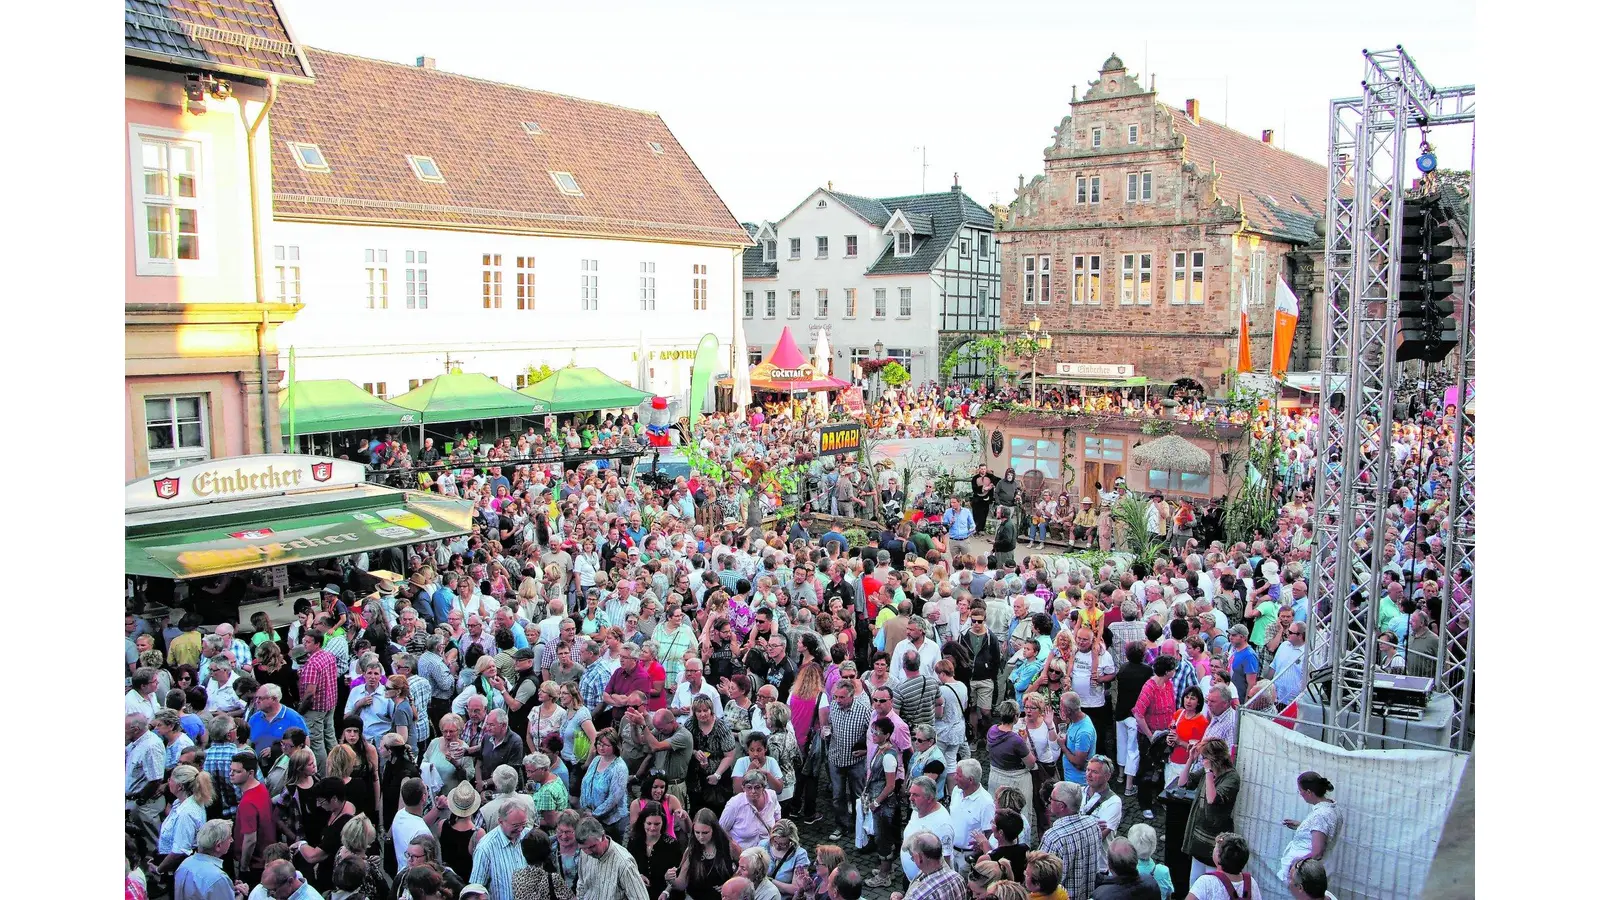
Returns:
(1393,804)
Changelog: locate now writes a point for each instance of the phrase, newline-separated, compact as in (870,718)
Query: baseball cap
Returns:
(331,589)
(1239,631)
(472,889)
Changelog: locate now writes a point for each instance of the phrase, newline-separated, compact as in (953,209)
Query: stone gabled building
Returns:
(1148,231)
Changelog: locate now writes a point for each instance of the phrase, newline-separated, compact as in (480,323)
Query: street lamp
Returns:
(877,354)
(1034,342)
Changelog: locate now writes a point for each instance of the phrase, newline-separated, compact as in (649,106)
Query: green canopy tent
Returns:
(584,389)
(464,397)
(337,405)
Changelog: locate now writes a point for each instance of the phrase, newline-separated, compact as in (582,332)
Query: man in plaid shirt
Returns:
(592,686)
(219,761)
(1074,839)
(846,718)
(935,880)
(319,695)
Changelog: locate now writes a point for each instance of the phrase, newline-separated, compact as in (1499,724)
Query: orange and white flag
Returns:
(1285,315)
(1244,339)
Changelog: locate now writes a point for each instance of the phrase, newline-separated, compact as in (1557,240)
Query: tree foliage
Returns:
(895,375)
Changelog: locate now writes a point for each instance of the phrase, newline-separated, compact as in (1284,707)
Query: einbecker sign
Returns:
(1096,370)
(239,478)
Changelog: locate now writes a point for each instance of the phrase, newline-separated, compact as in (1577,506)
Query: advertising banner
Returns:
(839,439)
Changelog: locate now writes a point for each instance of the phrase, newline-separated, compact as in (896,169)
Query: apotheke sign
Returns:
(240,478)
(1095,370)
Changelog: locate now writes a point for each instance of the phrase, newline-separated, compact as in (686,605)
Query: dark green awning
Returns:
(321,406)
(200,541)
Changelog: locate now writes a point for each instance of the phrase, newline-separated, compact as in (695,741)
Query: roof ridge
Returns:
(474,78)
(1178,111)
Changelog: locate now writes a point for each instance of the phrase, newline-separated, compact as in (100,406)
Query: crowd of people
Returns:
(610,689)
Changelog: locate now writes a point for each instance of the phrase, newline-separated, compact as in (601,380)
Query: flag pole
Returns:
(293,445)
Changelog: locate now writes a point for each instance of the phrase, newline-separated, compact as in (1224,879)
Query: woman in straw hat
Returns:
(459,837)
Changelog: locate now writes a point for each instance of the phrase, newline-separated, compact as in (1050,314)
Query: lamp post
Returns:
(877,354)
(1032,343)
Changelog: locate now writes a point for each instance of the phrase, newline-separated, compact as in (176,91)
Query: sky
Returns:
(773,100)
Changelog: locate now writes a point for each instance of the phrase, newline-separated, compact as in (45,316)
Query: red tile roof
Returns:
(237,36)
(367,115)
(1284,194)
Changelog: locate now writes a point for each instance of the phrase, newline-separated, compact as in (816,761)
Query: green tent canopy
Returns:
(337,405)
(462,397)
(582,389)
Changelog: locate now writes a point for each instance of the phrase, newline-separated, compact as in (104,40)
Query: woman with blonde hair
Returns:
(1042,876)
(1007,890)
(788,858)
(192,793)
(300,817)
(357,838)
(984,874)
(1143,839)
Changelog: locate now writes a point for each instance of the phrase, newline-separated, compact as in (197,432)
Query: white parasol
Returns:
(741,369)
(824,367)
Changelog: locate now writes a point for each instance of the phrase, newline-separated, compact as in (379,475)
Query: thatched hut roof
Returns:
(1173,454)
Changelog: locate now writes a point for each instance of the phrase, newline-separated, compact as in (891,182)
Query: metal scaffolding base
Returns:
(1367,159)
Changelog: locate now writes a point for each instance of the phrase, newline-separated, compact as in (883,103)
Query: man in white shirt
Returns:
(550,626)
(971,807)
(926,815)
(1099,800)
(141,698)
(409,821)
(691,686)
(916,640)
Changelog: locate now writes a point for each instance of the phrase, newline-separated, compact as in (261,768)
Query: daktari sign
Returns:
(844,437)
(240,478)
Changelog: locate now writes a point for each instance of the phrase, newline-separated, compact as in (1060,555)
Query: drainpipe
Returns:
(250,129)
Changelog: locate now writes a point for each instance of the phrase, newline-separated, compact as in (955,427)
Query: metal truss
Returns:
(1366,197)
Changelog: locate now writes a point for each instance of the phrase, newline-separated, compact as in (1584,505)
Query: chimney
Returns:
(956,188)
(1192,109)
(427,62)
(1266,136)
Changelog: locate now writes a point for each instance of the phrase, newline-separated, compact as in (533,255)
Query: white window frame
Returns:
(1133,188)
(1127,282)
(590,285)
(1095,137)
(1096,261)
(655,147)
(566,183)
(822,303)
(880,303)
(1044,280)
(419,167)
(701,296)
(983,303)
(849,303)
(201,203)
(297,151)
(852,245)
(1094,190)
(647,287)
(1028,279)
(416,279)
(532,128)
(905,304)
(527,285)
(493,285)
(1188,278)
(379,389)
(1258,278)
(1133,135)
(377,264)
(965,247)
(772,305)
(176,455)
(983,245)
(749,304)
(286,273)
(1147,276)
(822,246)
(769,250)
(1080,286)
(910,244)
(1082,192)
(794,248)
(1140,186)
(794,304)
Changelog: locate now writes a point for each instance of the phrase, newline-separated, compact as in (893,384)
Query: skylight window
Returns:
(426,169)
(532,128)
(567,184)
(654,147)
(309,157)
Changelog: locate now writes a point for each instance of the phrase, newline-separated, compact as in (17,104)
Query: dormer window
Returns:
(770,250)
(902,244)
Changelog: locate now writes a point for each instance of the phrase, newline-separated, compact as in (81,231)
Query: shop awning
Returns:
(213,539)
(583,389)
(463,397)
(1089,381)
(338,405)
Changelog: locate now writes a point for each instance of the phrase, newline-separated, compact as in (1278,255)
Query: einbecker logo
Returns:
(256,535)
(322,471)
(166,488)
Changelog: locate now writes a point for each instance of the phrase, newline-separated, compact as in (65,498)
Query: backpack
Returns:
(1227,885)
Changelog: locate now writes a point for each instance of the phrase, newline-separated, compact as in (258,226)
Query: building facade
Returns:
(918,274)
(201,362)
(1148,233)
(427,219)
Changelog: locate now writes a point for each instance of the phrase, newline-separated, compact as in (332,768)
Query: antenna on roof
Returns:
(924,166)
